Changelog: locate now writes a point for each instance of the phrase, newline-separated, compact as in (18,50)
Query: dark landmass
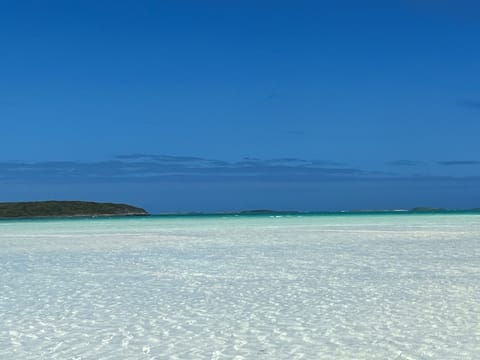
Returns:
(267,212)
(413,210)
(428,209)
(52,209)
(45,209)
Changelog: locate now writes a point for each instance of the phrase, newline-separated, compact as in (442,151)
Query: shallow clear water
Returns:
(312,287)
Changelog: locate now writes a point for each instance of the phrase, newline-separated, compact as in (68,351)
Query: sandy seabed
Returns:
(315,287)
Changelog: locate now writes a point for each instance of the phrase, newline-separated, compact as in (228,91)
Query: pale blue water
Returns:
(253,287)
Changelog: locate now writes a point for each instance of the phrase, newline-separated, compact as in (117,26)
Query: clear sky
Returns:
(225,105)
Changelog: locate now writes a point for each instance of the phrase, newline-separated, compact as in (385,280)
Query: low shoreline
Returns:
(88,210)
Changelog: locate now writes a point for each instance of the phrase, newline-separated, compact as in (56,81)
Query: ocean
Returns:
(319,286)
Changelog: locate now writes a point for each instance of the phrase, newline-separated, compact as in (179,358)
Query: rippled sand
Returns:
(318,287)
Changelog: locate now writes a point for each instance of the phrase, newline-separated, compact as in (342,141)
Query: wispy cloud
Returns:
(459,162)
(405,163)
(134,168)
(153,167)
(166,158)
(473,104)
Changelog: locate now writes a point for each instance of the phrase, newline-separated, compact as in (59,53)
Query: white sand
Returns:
(363,287)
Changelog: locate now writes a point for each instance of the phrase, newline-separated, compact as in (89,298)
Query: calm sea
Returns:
(368,286)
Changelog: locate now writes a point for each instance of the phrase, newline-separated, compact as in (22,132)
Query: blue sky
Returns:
(225,105)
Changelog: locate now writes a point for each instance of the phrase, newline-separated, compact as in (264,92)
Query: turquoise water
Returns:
(367,286)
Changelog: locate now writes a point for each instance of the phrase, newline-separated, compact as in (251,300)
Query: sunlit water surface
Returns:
(311,287)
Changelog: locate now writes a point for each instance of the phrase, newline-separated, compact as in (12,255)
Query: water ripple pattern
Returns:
(314,287)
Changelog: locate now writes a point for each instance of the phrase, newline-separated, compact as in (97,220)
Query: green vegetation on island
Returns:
(66,209)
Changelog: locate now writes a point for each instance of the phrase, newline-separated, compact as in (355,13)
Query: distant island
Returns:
(413,210)
(429,209)
(45,209)
(270,212)
(54,209)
